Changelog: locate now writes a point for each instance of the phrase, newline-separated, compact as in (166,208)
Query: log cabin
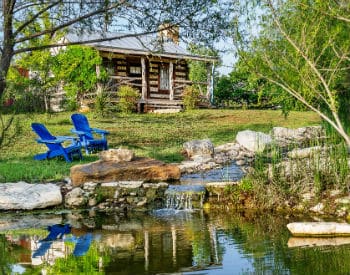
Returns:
(155,65)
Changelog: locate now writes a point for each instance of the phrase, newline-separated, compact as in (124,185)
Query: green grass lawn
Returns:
(158,136)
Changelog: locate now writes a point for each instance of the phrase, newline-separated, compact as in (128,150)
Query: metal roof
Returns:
(136,44)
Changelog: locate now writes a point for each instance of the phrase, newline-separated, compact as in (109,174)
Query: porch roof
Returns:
(147,45)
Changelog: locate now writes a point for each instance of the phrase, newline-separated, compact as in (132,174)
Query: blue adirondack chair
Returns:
(86,134)
(55,144)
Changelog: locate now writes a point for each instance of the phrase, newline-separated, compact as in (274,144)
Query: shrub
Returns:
(128,98)
(191,97)
(102,104)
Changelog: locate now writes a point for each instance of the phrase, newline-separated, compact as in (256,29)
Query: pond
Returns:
(164,242)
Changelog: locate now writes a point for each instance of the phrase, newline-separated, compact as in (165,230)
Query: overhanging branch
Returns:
(69,23)
(34,17)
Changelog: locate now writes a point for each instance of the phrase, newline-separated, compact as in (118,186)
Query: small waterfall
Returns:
(184,197)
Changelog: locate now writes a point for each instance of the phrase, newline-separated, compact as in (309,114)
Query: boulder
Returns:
(319,228)
(304,153)
(318,208)
(203,148)
(343,200)
(75,198)
(227,147)
(22,195)
(117,155)
(140,169)
(253,141)
(285,136)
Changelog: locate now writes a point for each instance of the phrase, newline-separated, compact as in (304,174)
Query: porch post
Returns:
(171,81)
(99,85)
(144,80)
(210,82)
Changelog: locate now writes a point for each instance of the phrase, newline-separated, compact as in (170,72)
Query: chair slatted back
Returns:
(43,133)
(81,123)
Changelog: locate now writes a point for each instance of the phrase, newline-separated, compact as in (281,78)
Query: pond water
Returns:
(164,242)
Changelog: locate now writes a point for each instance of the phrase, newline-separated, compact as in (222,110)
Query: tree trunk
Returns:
(8,43)
(5,61)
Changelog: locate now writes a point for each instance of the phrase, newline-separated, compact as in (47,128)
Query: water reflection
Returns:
(181,242)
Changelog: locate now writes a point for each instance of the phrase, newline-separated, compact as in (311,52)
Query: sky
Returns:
(227,56)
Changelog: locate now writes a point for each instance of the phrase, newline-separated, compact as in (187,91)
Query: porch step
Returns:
(167,111)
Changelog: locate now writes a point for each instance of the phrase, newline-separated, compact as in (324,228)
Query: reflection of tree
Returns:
(201,248)
(205,248)
(5,257)
(263,239)
(320,260)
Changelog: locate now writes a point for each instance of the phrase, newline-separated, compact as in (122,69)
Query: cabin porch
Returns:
(160,81)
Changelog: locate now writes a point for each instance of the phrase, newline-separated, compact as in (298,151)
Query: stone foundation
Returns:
(133,195)
(116,196)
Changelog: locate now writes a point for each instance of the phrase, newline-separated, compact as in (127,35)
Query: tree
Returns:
(40,63)
(197,18)
(303,48)
(243,86)
(76,67)
(199,71)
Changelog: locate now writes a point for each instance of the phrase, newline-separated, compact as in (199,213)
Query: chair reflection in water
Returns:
(57,232)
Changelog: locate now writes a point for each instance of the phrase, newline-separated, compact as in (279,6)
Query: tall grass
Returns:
(277,179)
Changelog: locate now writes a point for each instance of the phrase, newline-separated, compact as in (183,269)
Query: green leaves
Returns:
(76,67)
(303,48)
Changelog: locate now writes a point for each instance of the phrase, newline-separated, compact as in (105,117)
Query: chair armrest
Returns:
(67,137)
(79,133)
(99,131)
(52,141)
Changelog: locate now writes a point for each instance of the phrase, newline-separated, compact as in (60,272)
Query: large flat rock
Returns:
(319,229)
(22,195)
(145,169)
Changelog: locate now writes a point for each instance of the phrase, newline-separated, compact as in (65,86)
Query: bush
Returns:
(191,97)
(128,98)
(102,104)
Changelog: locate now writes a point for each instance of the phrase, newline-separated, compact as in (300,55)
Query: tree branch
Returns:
(330,95)
(305,57)
(26,6)
(339,17)
(69,23)
(34,17)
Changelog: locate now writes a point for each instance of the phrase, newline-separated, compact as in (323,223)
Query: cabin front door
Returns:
(164,84)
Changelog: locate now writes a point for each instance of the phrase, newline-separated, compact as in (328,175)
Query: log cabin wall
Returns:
(181,75)
(165,78)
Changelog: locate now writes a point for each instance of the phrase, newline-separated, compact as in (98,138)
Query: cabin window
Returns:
(164,78)
(135,70)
